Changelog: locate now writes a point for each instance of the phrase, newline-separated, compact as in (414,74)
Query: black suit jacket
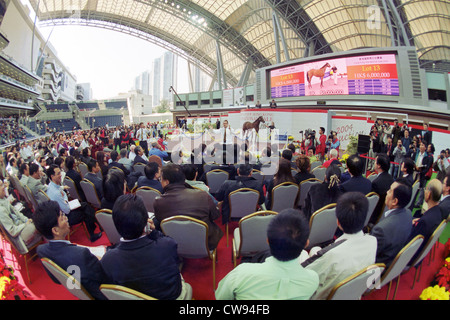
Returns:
(358,183)
(231,185)
(392,233)
(425,226)
(148,265)
(120,166)
(444,205)
(98,183)
(76,177)
(139,159)
(65,254)
(381,185)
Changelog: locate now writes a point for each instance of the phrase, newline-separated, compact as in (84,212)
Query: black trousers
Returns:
(143,144)
(85,214)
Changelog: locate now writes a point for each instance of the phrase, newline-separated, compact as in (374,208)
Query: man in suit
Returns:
(179,198)
(357,182)
(431,218)
(93,169)
(54,226)
(148,253)
(74,175)
(142,135)
(16,224)
(151,178)
(349,253)
(34,181)
(273,104)
(426,135)
(139,158)
(125,161)
(157,150)
(423,164)
(393,229)
(444,204)
(381,184)
(114,163)
(243,179)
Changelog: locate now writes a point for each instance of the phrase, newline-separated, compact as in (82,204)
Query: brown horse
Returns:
(317,73)
(252,125)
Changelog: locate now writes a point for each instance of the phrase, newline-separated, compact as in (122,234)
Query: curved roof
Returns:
(244,29)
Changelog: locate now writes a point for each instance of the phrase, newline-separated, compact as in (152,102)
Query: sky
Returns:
(108,60)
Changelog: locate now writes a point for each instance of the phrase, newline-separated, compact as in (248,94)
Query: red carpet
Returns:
(198,273)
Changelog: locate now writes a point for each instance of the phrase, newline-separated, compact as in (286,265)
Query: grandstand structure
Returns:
(239,43)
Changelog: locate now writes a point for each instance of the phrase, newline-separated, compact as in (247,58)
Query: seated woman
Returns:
(303,166)
(320,195)
(114,185)
(283,174)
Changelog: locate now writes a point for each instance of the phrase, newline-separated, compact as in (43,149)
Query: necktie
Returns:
(225,136)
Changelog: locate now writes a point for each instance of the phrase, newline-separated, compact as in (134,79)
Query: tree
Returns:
(163,106)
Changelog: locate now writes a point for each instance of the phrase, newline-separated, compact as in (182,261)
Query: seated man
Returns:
(444,204)
(114,163)
(34,180)
(191,173)
(279,277)
(430,220)
(244,179)
(381,184)
(84,213)
(92,176)
(144,260)
(357,182)
(151,178)
(395,225)
(157,151)
(54,226)
(333,159)
(349,253)
(74,175)
(125,161)
(180,198)
(139,156)
(19,227)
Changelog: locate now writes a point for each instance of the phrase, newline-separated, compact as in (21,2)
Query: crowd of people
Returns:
(146,259)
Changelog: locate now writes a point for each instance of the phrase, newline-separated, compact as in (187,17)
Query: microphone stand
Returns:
(184,103)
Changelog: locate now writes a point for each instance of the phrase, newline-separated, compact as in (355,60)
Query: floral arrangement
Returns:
(434,293)
(10,288)
(439,288)
(344,158)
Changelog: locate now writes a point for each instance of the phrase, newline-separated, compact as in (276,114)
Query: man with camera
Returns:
(441,166)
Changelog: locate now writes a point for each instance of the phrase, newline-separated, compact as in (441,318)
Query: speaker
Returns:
(363,144)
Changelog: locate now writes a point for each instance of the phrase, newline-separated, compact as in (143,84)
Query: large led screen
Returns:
(355,75)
